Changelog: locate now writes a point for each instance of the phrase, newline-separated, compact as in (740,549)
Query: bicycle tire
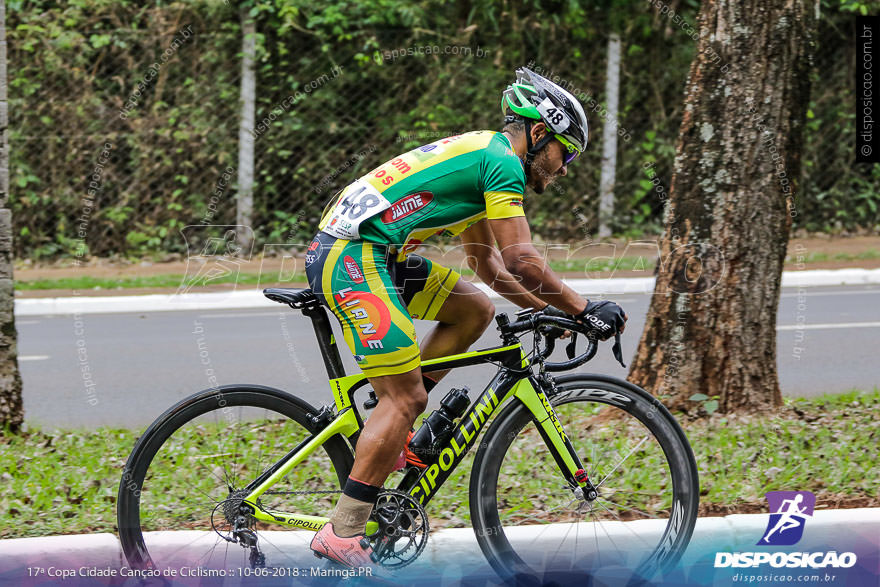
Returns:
(602,405)
(189,422)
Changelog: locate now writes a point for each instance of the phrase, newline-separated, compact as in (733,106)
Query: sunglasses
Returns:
(570,153)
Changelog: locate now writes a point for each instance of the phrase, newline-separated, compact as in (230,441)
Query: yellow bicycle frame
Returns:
(514,379)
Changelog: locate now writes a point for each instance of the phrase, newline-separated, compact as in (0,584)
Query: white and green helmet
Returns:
(534,97)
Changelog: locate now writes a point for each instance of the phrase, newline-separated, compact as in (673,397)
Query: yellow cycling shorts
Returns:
(375,298)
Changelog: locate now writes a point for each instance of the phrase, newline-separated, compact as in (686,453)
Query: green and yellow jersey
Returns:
(440,188)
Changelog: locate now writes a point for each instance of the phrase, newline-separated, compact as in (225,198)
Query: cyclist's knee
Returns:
(405,391)
(487,312)
(482,311)
(411,400)
(419,401)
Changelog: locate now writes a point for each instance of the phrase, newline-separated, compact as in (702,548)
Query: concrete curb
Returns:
(253,298)
(458,546)
(99,550)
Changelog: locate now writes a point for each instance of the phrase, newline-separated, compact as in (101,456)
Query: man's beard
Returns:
(539,189)
(539,174)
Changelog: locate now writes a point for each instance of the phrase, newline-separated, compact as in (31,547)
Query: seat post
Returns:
(309,304)
(324,334)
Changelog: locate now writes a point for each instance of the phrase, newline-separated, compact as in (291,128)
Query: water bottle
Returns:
(437,428)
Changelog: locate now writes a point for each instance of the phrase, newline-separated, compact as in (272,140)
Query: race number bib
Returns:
(557,119)
(357,203)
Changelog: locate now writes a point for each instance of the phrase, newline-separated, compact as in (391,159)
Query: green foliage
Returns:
(836,194)
(78,69)
(863,8)
(709,404)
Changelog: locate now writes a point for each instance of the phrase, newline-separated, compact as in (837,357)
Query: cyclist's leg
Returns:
(352,278)
(402,398)
(434,292)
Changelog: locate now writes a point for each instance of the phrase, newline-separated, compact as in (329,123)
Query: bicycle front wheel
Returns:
(176,503)
(526,518)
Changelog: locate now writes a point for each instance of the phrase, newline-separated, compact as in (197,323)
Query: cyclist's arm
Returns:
(485,260)
(520,258)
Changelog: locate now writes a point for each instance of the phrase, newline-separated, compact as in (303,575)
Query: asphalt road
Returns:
(126,369)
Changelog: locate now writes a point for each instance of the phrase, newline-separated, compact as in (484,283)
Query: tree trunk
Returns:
(711,327)
(11,410)
(609,137)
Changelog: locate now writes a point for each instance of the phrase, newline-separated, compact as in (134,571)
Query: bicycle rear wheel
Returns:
(177,493)
(527,520)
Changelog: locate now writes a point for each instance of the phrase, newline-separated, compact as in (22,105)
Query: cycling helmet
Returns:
(535,98)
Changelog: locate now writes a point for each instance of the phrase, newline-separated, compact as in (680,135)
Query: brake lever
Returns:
(570,347)
(617,351)
(549,341)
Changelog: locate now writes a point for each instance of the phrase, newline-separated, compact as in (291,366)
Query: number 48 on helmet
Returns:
(533,98)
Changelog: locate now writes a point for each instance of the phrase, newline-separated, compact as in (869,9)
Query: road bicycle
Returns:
(573,472)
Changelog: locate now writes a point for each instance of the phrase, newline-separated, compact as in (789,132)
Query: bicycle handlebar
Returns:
(535,321)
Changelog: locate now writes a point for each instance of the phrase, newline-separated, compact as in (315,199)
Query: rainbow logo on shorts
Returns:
(368,314)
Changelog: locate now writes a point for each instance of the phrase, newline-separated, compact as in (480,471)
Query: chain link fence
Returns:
(123,134)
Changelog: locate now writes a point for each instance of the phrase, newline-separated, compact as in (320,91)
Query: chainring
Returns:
(403,529)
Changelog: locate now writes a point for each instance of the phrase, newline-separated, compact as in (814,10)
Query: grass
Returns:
(167,281)
(869,255)
(174,281)
(604,264)
(66,481)
(827,445)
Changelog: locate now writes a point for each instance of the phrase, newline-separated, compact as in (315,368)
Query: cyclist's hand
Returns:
(554,331)
(605,317)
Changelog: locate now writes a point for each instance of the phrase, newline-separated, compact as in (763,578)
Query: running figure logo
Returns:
(788,513)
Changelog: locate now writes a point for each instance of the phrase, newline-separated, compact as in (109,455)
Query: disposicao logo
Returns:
(789,511)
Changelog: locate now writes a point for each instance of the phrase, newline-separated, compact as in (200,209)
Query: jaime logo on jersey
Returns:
(789,511)
(407,206)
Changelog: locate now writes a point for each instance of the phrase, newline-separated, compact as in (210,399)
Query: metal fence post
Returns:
(609,137)
(245,200)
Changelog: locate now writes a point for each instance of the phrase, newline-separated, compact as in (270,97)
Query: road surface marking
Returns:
(814,294)
(242,314)
(829,326)
(33,357)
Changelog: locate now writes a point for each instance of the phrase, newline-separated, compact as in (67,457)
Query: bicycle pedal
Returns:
(365,544)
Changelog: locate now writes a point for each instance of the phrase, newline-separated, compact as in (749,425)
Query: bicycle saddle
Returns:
(290,296)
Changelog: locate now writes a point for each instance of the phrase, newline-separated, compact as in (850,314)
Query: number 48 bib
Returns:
(357,203)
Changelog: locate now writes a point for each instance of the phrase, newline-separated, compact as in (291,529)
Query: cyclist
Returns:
(362,267)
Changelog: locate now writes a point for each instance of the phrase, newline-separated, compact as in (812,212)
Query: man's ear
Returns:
(539,129)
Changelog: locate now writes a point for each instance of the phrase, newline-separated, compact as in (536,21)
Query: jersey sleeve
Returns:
(503,185)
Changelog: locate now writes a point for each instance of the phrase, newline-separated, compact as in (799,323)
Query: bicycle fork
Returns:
(530,392)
